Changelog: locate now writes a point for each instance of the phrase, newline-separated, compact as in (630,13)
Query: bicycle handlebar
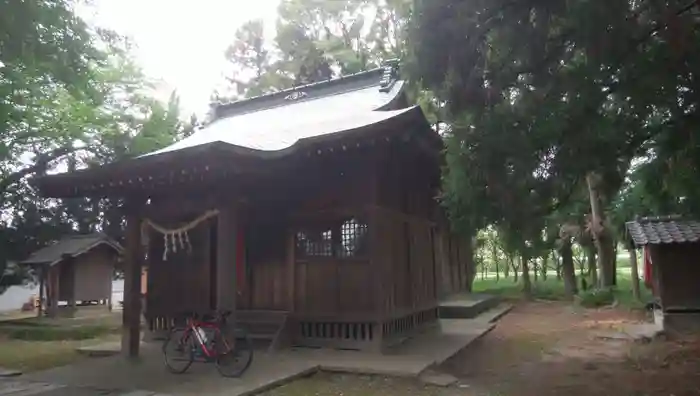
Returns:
(217,315)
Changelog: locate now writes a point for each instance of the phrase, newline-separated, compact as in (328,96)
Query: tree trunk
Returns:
(635,274)
(494,257)
(535,270)
(567,268)
(545,261)
(471,263)
(606,264)
(506,268)
(614,266)
(527,286)
(515,266)
(601,236)
(557,265)
(592,265)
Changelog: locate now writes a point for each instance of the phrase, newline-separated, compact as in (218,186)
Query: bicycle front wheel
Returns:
(178,351)
(234,358)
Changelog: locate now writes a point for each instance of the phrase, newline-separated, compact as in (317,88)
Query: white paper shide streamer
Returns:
(178,237)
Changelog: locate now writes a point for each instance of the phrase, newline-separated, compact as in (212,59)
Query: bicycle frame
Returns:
(192,326)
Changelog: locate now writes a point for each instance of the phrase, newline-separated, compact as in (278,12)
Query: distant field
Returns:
(553,289)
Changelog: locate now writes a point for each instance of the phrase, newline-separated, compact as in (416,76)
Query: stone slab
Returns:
(101,350)
(466,306)
(149,374)
(6,373)
(409,359)
(438,379)
(643,331)
(26,388)
(269,369)
(494,314)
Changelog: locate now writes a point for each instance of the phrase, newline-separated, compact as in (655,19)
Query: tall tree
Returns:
(255,64)
(580,87)
(315,40)
(69,96)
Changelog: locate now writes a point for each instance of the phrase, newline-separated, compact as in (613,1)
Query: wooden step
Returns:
(264,326)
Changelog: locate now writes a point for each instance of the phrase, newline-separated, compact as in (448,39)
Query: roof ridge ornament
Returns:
(390,75)
(296,95)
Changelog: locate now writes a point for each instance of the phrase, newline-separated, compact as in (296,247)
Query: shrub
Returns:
(56,334)
(596,298)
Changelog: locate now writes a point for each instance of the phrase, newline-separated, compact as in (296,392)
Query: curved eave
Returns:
(121,177)
(283,125)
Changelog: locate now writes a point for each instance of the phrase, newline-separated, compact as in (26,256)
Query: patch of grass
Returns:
(45,333)
(550,289)
(40,355)
(596,298)
(553,290)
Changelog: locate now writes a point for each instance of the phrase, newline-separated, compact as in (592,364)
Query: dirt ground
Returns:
(541,349)
(38,352)
(554,349)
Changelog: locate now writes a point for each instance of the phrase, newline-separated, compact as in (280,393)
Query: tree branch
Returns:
(41,164)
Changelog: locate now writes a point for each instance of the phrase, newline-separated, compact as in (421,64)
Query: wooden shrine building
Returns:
(671,247)
(310,211)
(76,268)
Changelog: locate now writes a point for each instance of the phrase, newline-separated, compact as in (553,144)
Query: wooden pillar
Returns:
(111,291)
(226,288)
(42,287)
(291,269)
(378,259)
(52,291)
(131,316)
(443,258)
(379,263)
(69,262)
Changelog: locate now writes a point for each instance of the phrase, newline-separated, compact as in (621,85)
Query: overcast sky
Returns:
(181,41)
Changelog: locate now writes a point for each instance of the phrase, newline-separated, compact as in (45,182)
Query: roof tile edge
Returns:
(389,72)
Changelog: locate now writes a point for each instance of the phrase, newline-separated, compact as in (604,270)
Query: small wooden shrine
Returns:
(77,268)
(311,212)
(671,247)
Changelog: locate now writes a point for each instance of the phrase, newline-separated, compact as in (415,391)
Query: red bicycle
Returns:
(203,340)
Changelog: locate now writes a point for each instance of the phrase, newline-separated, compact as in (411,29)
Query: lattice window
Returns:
(342,239)
(314,243)
(353,238)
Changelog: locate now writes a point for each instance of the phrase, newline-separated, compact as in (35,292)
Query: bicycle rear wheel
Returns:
(234,358)
(178,351)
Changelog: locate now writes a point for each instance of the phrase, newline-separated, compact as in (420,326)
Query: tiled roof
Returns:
(73,246)
(663,230)
(276,123)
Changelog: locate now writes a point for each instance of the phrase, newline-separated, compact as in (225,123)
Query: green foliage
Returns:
(69,95)
(552,289)
(596,298)
(315,40)
(538,94)
(47,333)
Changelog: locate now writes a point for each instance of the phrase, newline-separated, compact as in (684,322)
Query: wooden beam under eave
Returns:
(133,257)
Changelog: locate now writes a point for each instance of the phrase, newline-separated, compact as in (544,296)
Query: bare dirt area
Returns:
(361,385)
(544,348)
(540,349)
